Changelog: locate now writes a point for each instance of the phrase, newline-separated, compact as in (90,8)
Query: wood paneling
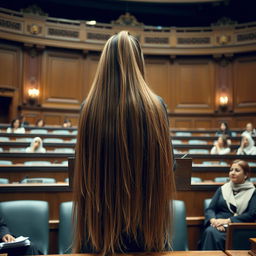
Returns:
(62,79)
(157,76)
(194,86)
(244,85)
(10,59)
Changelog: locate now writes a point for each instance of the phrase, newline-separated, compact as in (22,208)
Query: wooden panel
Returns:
(158,78)
(62,79)
(10,66)
(203,123)
(194,86)
(52,119)
(244,85)
(92,64)
(181,123)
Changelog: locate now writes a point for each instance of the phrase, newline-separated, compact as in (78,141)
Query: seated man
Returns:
(5,236)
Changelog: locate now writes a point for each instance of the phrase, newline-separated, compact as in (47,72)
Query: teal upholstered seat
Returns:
(5,162)
(179,233)
(28,218)
(198,151)
(64,150)
(2,139)
(195,179)
(4,181)
(175,142)
(207,202)
(38,180)
(31,163)
(183,134)
(65,227)
(39,131)
(60,132)
(200,142)
(52,140)
(221,179)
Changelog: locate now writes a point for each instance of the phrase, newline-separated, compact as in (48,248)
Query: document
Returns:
(19,242)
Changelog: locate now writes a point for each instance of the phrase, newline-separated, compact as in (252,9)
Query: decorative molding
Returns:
(223,39)
(98,36)
(34,10)
(224,21)
(156,40)
(127,19)
(246,37)
(194,40)
(34,29)
(10,24)
(63,33)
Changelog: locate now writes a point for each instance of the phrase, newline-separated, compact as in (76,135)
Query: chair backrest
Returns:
(195,179)
(174,142)
(38,131)
(54,140)
(207,202)
(65,228)
(28,218)
(4,139)
(179,232)
(31,163)
(5,162)
(64,150)
(61,132)
(4,181)
(198,151)
(17,150)
(200,142)
(183,134)
(221,179)
(38,180)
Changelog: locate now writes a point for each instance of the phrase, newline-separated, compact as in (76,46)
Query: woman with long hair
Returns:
(123,180)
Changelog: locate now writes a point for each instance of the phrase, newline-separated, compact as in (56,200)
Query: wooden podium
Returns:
(183,173)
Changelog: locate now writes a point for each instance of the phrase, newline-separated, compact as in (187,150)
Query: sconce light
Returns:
(223,101)
(33,94)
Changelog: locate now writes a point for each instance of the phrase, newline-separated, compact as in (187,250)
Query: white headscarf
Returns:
(250,149)
(242,197)
(40,149)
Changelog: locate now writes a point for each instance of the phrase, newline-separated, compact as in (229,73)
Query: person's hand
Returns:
(221,228)
(213,222)
(221,222)
(8,238)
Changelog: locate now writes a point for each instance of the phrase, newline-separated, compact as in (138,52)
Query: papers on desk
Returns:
(19,242)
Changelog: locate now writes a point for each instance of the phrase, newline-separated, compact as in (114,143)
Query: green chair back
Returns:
(28,218)
(179,232)
(65,228)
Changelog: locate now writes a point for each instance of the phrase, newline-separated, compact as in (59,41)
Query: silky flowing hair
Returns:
(123,179)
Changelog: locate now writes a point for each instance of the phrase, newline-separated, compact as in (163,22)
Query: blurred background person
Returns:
(247,146)
(40,122)
(15,127)
(67,123)
(249,130)
(221,146)
(36,146)
(224,130)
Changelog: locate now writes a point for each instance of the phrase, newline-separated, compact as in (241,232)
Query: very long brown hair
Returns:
(123,172)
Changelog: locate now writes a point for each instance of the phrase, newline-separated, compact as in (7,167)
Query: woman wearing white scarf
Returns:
(235,201)
(247,146)
(36,146)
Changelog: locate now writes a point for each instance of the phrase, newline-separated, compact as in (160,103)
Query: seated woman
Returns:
(67,123)
(36,146)
(15,127)
(221,146)
(40,122)
(235,201)
(247,146)
(249,130)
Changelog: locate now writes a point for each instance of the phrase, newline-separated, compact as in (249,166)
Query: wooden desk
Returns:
(237,253)
(176,253)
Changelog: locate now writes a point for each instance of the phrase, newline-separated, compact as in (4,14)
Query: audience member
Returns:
(249,130)
(235,201)
(40,122)
(224,130)
(67,123)
(23,121)
(123,172)
(221,146)
(247,146)
(36,146)
(5,236)
(15,127)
